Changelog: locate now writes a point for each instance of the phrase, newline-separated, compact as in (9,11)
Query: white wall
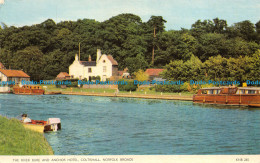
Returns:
(3,77)
(100,66)
(76,69)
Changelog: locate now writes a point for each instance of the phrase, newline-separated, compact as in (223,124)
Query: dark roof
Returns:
(88,63)
(14,73)
(114,62)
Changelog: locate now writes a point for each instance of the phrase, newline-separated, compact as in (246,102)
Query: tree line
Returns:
(43,50)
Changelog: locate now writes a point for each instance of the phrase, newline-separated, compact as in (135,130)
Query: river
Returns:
(127,126)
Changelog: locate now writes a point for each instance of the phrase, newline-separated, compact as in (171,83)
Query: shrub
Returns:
(170,88)
(129,87)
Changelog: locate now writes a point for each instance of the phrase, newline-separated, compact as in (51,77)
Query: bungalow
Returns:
(13,75)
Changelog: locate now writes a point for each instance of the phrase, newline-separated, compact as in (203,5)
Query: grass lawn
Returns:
(16,140)
(51,88)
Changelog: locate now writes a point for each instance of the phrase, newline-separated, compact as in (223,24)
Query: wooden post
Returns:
(79,51)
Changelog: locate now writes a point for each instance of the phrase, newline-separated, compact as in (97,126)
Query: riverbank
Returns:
(146,96)
(16,140)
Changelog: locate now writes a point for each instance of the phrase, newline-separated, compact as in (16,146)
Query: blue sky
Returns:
(177,13)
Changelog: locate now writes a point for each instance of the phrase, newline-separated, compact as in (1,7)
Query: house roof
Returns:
(114,62)
(88,63)
(62,74)
(153,72)
(14,73)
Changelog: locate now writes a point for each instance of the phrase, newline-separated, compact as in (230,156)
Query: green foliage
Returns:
(170,88)
(30,60)
(136,63)
(140,75)
(43,50)
(184,71)
(127,87)
(16,140)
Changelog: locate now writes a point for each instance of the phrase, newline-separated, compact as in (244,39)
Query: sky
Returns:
(178,13)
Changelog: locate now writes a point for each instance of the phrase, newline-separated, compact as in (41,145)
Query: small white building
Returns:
(105,66)
(13,75)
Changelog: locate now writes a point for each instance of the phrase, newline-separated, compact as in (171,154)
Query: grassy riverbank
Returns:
(16,140)
(147,93)
(51,88)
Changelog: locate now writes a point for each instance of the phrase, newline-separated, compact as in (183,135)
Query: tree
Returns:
(245,30)
(184,71)
(30,60)
(257,26)
(216,68)
(157,24)
(211,44)
(219,25)
(175,45)
(140,75)
(135,63)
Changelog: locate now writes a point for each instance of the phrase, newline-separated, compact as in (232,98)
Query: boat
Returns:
(242,96)
(52,124)
(28,90)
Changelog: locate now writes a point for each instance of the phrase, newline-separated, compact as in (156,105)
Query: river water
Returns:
(128,126)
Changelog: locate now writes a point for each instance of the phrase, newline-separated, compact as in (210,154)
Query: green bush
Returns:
(170,88)
(68,82)
(129,87)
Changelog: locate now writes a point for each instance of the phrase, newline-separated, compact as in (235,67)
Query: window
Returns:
(251,91)
(242,91)
(89,70)
(104,61)
(217,91)
(104,68)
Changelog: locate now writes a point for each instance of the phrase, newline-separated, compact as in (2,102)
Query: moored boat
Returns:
(242,96)
(28,90)
(52,124)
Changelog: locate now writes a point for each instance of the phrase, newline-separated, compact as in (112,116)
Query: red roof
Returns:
(63,74)
(14,73)
(153,72)
(114,62)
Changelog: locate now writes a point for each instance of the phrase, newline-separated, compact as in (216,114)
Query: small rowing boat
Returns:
(52,124)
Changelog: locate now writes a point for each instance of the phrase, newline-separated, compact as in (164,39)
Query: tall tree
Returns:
(157,24)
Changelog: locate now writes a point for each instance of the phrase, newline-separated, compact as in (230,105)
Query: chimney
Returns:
(89,58)
(98,54)
(76,57)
